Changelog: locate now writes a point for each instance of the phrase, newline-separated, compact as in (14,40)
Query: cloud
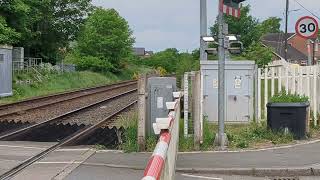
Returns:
(158,24)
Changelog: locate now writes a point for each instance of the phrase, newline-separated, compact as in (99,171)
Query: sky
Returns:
(161,24)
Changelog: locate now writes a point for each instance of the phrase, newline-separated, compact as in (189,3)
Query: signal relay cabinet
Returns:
(5,70)
(160,91)
(239,83)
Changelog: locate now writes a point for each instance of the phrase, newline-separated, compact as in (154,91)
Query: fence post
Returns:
(265,92)
(272,81)
(196,110)
(142,106)
(287,79)
(300,84)
(315,108)
(293,80)
(280,79)
(259,94)
(308,82)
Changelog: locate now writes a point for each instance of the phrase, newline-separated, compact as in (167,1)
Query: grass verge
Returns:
(55,83)
(241,136)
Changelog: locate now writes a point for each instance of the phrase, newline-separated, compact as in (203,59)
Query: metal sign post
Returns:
(203,29)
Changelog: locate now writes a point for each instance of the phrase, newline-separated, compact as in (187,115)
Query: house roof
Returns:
(276,42)
(139,51)
(277,37)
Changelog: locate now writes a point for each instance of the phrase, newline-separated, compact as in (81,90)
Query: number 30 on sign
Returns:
(307,27)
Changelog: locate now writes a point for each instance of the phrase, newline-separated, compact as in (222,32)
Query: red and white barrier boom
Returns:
(161,165)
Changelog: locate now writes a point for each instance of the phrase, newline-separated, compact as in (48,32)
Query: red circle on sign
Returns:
(315,22)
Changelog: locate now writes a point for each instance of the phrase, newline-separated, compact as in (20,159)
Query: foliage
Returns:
(173,62)
(130,144)
(248,27)
(131,136)
(256,133)
(94,64)
(161,71)
(283,97)
(7,34)
(45,27)
(260,54)
(106,38)
(270,25)
(166,59)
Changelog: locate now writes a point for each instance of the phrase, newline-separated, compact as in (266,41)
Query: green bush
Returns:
(95,64)
(283,97)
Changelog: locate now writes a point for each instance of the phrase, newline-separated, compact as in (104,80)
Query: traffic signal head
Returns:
(233,3)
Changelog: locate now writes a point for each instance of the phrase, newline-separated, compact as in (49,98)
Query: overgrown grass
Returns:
(130,138)
(130,144)
(240,136)
(255,133)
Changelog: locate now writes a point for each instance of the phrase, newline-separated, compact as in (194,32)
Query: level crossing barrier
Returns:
(162,163)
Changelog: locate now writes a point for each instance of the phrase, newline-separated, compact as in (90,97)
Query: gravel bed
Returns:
(47,112)
(34,103)
(98,113)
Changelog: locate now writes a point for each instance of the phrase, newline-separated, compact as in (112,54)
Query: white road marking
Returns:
(24,147)
(59,162)
(201,177)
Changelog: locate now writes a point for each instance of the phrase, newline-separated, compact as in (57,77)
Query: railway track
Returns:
(38,102)
(35,111)
(100,113)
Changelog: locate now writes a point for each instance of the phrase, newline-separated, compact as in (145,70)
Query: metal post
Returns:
(286,32)
(309,52)
(203,29)
(221,137)
(142,110)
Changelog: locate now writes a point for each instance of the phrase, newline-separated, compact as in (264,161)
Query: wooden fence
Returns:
(302,80)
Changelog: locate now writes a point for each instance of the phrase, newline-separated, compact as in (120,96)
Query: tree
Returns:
(45,26)
(245,26)
(107,36)
(270,25)
(248,27)
(7,34)
(260,54)
(166,59)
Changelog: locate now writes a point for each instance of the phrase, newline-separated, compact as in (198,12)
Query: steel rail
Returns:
(14,171)
(68,93)
(57,118)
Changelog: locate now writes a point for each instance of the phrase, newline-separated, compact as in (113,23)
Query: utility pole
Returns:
(221,137)
(286,32)
(203,29)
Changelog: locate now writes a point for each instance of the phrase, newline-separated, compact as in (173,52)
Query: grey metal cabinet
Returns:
(5,71)
(239,90)
(160,91)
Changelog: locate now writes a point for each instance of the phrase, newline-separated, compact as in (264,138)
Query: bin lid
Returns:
(298,105)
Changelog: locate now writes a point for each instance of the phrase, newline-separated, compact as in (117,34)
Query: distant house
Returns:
(296,53)
(141,52)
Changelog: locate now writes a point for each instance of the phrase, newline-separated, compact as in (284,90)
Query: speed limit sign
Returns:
(307,27)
